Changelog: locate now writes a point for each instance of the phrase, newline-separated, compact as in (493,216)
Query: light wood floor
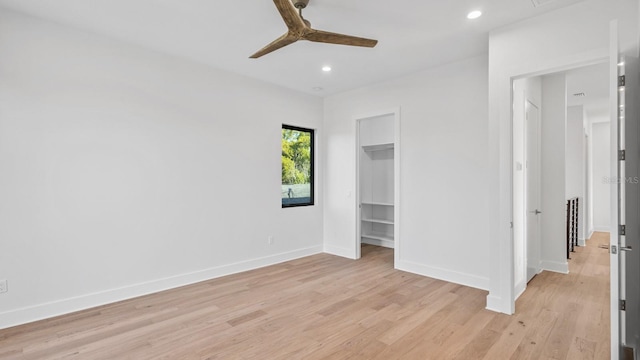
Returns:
(326,307)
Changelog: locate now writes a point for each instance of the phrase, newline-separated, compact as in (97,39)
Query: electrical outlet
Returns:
(3,286)
(270,240)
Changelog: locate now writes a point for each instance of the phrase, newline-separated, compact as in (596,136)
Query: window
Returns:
(297,166)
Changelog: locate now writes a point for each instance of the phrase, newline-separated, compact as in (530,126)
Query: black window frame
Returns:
(312,156)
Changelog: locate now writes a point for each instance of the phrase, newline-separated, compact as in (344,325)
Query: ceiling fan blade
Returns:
(276,44)
(290,15)
(334,38)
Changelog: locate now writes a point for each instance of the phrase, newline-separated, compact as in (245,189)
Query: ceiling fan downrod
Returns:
(300,4)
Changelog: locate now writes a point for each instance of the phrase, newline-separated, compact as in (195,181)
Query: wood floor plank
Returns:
(326,307)
(400,329)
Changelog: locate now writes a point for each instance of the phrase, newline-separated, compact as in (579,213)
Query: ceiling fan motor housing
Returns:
(300,4)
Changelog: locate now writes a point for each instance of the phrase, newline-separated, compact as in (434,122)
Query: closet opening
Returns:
(377,183)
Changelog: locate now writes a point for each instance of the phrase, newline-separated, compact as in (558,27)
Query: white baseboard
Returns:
(559,267)
(582,242)
(470,280)
(377,242)
(520,288)
(590,234)
(520,291)
(494,303)
(339,251)
(65,306)
(602,229)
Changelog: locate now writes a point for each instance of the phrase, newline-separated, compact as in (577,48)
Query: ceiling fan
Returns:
(300,29)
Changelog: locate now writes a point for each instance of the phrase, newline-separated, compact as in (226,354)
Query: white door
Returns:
(629,210)
(615,195)
(625,206)
(532,186)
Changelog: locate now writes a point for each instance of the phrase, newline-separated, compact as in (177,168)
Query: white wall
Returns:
(125,171)
(589,172)
(601,179)
(575,163)
(573,151)
(553,253)
(575,35)
(589,181)
(443,126)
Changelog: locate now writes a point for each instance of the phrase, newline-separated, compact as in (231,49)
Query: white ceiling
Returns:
(413,34)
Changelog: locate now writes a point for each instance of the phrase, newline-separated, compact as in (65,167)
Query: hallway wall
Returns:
(601,178)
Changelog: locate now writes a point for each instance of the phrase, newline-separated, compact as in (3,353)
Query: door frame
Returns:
(395,112)
(523,99)
(594,59)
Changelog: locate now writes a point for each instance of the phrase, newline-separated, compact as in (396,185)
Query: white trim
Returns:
(397,160)
(66,306)
(554,266)
(470,280)
(601,229)
(494,303)
(378,242)
(340,251)
(520,292)
(521,286)
(582,242)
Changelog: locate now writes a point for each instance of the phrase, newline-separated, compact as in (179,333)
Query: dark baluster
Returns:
(568,228)
(575,221)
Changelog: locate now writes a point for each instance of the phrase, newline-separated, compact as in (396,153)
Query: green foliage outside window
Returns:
(296,157)
(297,166)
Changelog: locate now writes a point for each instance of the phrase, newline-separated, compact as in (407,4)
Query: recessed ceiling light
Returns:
(474,14)
(326,68)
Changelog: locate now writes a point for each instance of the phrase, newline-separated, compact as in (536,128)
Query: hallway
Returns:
(569,314)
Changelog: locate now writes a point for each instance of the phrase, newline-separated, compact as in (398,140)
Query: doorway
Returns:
(378,181)
(552,117)
(526,125)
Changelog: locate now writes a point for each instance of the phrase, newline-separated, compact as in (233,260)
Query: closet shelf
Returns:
(377,147)
(376,203)
(379,221)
